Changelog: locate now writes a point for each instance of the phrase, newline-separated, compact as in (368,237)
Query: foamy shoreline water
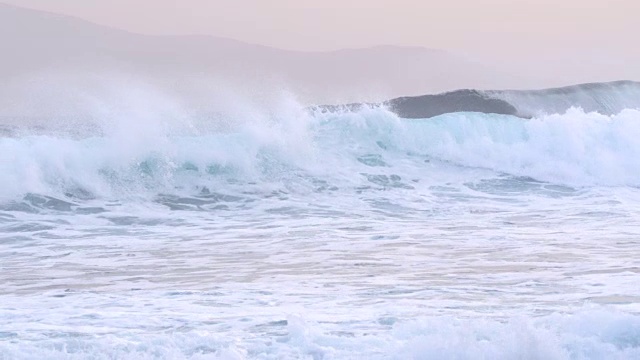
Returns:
(354,235)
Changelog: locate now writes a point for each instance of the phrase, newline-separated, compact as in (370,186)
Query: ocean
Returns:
(311,234)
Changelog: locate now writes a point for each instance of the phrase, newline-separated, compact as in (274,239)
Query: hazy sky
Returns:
(471,25)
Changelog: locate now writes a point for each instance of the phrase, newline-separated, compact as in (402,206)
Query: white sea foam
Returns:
(574,149)
(291,234)
(587,334)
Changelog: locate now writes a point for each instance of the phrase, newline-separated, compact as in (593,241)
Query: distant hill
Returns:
(45,46)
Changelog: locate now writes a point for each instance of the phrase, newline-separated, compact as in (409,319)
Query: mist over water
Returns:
(135,225)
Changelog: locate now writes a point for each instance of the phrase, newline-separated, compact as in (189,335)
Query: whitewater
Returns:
(313,234)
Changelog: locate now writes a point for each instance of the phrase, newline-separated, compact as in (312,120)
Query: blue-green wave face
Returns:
(347,151)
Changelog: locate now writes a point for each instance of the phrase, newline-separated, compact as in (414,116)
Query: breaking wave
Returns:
(574,148)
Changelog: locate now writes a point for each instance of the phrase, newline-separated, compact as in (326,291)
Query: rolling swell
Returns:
(428,106)
(604,98)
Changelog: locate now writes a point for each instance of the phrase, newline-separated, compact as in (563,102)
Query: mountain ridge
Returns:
(46,43)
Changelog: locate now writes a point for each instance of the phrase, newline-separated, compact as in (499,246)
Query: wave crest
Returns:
(576,148)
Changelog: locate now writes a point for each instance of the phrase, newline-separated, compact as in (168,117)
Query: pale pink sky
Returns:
(469,25)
